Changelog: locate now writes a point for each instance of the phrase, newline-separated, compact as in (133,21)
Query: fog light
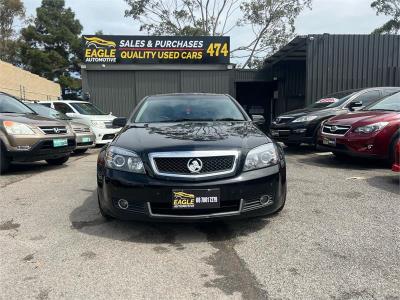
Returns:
(266,200)
(123,204)
(369,147)
(302,130)
(23,148)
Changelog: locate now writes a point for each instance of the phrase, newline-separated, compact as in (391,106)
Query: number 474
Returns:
(215,49)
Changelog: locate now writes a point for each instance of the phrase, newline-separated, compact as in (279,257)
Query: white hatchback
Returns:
(87,113)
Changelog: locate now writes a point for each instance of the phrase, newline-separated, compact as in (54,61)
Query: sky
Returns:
(326,16)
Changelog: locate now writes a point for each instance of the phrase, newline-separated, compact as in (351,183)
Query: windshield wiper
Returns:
(229,119)
(185,120)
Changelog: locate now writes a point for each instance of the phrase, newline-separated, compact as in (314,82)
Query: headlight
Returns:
(261,157)
(304,119)
(15,128)
(371,128)
(99,124)
(124,160)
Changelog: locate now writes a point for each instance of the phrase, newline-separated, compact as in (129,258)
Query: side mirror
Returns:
(354,105)
(258,119)
(119,122)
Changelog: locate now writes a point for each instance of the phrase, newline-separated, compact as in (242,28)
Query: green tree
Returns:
(51,43)
(389,8)
(269,23)
(10,11)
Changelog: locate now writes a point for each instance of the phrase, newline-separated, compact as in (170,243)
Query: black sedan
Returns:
(302,125)
(190,157)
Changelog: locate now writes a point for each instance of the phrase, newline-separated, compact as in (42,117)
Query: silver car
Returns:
(85,137)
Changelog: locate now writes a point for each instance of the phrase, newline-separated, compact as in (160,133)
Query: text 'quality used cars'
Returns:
(25,136)
(190,157)
(302,125)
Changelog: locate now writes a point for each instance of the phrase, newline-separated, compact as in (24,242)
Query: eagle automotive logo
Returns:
(97,42)
(99,50)
(195,165)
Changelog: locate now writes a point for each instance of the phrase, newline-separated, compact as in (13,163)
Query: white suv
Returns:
(87,113)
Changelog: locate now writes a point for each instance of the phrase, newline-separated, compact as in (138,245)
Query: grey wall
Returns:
(119,91)
(341,62)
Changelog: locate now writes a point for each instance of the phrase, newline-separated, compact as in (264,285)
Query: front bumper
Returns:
(151,199)
(42,150)
(294,133)
(396,165)
(85,140)
(105,135)
(356,146)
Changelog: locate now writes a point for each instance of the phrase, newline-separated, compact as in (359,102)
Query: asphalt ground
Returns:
(337,238)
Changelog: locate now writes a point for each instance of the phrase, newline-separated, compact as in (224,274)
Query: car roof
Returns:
(187,95)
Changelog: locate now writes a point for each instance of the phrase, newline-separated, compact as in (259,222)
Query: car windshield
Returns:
(11,105)
(341,100)
(390,103)
(188,108)
(332,100)
(47,111)
(86,108)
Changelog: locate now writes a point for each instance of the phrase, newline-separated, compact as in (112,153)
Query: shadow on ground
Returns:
(353,163)
(386,183)
(87,219)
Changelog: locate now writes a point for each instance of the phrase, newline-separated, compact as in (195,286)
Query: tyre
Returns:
(4,161)
(292,145)
(340,155)
(80,151)
(392,154)
(102,212)
(57,161)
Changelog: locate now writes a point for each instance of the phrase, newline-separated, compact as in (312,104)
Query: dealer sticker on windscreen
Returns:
(196,199)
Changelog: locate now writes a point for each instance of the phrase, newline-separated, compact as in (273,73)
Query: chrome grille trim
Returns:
(53,129)
(194,154)
(339,129)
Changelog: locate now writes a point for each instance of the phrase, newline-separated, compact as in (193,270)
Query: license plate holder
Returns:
(329,142)
(196,198)
(275,133)
(60,143)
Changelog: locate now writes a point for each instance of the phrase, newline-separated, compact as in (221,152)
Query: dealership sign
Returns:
(114,49)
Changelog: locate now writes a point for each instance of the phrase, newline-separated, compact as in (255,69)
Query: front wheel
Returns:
(392,154)
(80,151)
(340,155)
(57,161)
(4,161)
(292,145)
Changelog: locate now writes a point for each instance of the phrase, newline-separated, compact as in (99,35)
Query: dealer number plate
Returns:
(86,139)
(329,142)
(60,142)
(196,199)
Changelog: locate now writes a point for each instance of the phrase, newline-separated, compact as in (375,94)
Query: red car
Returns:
(371,132)
(396,164)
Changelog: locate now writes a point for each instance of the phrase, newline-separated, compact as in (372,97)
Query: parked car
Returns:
(87,113)
(25,136)
(190,157)
(372,132)
(302,125)
(85,137)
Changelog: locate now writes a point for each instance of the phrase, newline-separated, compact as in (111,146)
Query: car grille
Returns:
(283,120)
(166,209)
(336,129)
(178,165)
(209,163)
(53,129)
